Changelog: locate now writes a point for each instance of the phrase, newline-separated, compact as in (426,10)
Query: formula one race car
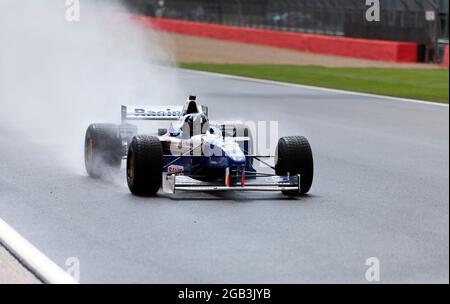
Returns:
(194,154)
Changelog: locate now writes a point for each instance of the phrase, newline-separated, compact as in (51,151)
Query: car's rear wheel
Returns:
(144,165)
(294,156)
(162,131)
(102,150)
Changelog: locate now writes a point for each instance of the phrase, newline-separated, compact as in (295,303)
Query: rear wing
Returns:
(150,113)
(154,112)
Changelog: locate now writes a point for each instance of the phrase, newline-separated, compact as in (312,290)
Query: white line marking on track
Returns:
(31,257)
(272,82)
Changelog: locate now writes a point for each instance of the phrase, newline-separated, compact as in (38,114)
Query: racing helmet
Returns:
(194,124)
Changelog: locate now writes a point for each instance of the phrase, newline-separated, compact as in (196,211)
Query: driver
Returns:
(195,124)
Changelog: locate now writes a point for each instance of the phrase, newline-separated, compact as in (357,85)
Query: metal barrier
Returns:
(420,21)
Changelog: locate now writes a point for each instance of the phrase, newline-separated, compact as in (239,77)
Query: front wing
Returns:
(173,182)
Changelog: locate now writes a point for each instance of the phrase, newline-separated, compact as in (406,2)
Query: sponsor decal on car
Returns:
(277,179)
(151,113)
(175,169)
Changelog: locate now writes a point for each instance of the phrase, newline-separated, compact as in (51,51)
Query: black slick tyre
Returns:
(102,149)
(294,156)
(144,165)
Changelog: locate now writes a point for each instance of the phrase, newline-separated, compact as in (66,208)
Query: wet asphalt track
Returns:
(381,190)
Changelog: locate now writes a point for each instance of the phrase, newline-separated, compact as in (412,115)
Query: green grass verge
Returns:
(423,84)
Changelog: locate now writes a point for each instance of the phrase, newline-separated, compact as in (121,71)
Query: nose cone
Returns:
(237,159)
(230,149)
(234,154)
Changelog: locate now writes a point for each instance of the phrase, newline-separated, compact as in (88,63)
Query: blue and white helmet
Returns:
(195,124)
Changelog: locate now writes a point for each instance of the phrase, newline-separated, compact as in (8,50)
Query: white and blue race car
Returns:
(194,154)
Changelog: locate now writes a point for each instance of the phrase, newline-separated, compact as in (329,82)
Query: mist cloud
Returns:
(56,76)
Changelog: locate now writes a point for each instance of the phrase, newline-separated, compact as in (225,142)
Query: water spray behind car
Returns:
(56,75)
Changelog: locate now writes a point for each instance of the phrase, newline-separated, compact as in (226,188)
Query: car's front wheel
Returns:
(144,165)
(294,156)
